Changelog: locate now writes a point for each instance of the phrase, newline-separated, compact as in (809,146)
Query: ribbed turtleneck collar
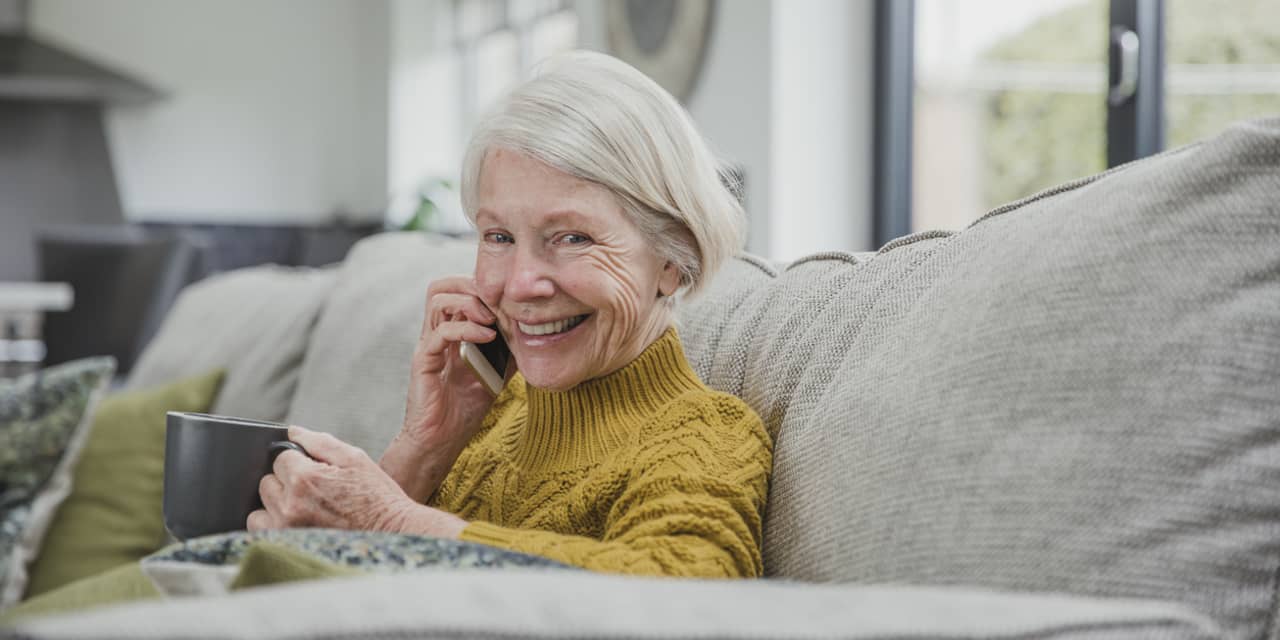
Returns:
(575,428)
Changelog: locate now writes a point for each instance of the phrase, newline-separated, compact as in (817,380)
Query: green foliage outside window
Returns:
(1034,139)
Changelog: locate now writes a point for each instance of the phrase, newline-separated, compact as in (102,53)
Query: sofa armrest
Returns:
(539,604)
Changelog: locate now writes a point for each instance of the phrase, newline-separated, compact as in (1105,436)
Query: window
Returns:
(1009,100)
(498,40)
(1003,98)
(1223,65)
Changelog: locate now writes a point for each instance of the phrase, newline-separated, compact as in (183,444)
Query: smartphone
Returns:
(488,361)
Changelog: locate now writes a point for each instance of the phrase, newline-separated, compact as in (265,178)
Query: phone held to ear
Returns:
(488,361)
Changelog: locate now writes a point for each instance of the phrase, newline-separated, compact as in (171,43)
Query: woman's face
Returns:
(573,282)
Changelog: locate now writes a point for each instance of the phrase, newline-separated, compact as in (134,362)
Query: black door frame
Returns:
(1135,121)
(895,86)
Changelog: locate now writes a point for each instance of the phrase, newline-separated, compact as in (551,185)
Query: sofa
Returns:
(1060,422)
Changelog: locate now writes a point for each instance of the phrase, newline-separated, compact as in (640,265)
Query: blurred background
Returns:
(145,144)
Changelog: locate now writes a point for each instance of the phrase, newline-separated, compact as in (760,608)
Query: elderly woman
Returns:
(596,203)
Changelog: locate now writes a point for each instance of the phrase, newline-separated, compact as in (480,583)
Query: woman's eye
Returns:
(574,238)
(498,237)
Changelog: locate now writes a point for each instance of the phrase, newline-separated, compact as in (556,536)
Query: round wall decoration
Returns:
(665,39)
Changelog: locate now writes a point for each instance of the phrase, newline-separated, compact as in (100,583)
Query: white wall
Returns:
(277,111)
(731,103)
(823,81)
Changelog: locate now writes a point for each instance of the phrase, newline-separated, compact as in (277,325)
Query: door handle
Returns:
(1124,66)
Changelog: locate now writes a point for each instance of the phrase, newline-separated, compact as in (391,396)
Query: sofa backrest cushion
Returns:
(708,329)
(355,376)
(254,323)
(1078,393)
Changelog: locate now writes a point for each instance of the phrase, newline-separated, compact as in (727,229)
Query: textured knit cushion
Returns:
(215,564)
(714,353)
(1078,393)
(44,421)
(113,515)
(355,377)
(254,323)
(533,604)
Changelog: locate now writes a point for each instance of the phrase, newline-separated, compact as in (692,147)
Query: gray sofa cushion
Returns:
(530,604)
(1078,393)
(356,372)
(254,322)
(712,338)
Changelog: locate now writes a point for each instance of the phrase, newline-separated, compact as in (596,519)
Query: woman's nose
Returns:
(529,278)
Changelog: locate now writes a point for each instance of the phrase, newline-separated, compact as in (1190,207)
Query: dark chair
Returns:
(124,279)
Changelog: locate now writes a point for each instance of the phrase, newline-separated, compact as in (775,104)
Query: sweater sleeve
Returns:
(692,505)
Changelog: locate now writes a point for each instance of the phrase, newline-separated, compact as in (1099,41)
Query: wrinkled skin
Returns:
(446,401)
(552,247)
(340,487)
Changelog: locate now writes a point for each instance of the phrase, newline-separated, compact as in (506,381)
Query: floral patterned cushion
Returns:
(210,565)
(44,421)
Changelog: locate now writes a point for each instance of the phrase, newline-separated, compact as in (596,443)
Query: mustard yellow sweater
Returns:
(643,471)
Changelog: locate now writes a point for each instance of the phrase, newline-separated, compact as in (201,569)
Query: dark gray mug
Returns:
(212,467)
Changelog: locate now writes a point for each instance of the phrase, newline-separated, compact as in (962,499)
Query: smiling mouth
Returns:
(551,328)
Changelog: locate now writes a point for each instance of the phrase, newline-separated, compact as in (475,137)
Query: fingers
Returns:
(450,297)
(454,313)
(441,345)
(322,447)
(272,492)
(288,464)
(455,306)
(259,520)
(459,331)
(280,510)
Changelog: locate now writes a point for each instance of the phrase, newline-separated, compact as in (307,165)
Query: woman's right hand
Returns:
(447,402)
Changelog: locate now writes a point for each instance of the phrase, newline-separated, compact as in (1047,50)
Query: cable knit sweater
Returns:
(643,471)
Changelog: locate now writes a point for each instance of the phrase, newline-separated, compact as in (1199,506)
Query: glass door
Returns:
(982,102)
(1223,65)
(1010,98)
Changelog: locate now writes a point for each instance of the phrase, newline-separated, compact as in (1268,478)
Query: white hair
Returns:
(594,117)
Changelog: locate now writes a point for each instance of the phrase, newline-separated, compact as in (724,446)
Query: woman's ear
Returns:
(669,281)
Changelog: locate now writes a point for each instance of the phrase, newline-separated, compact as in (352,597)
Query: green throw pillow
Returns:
(267,563)
(263,563)
(122,584)
(113,515)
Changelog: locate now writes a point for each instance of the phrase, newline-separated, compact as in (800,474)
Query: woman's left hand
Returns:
(340,487)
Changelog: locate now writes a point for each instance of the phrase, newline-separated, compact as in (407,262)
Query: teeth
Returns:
(548,328)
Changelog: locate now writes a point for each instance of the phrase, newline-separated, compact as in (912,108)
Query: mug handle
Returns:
(280,446)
